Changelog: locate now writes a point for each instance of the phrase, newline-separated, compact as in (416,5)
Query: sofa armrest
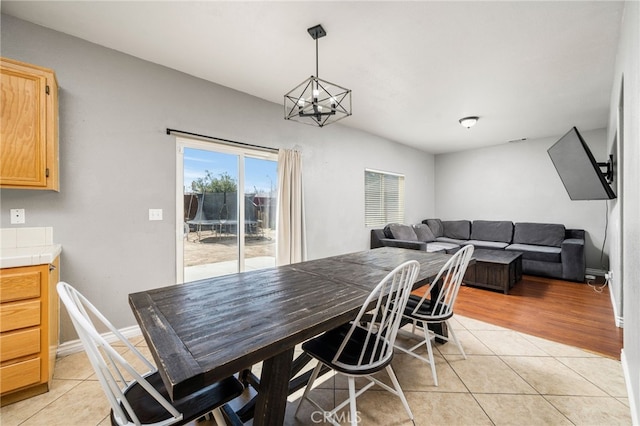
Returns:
(574,233)
(573,259)
(378,239)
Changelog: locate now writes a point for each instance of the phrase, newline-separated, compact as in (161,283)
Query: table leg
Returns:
(271,402)
(441,329)
(295,384)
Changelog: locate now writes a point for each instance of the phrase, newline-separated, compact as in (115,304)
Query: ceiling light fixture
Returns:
(317,101)
(468,121)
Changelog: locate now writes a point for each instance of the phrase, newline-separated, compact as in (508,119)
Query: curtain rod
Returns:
(182,132)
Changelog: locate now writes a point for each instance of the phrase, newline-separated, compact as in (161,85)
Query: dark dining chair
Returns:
(140,398)
(365,345)
(436,307)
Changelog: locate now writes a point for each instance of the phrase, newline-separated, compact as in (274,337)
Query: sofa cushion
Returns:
(438,246)
(495,245)
(539,234)
(492,230)
(537,253)
(401,232)
(423,232)
(451,241)
(457,229)
(436,227)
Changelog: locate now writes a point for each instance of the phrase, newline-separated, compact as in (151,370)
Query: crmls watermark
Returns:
(324,417)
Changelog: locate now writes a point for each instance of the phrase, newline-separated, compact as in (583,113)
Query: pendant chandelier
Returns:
(315,101)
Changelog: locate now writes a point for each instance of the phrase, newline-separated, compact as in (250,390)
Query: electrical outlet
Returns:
(608,275)
(17,216)
(155,214)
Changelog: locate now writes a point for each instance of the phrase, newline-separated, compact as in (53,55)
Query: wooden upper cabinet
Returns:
(29,127)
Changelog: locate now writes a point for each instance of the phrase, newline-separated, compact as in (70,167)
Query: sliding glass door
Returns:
(226,209)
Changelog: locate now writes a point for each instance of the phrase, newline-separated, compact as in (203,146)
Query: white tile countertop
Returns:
(27,247)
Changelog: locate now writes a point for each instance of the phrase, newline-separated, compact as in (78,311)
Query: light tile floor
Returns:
(508,378)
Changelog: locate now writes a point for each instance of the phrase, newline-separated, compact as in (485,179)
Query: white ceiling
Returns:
(528,69)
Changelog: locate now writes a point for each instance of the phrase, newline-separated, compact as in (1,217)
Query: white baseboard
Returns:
(634,405)
(73,346)
(619,320)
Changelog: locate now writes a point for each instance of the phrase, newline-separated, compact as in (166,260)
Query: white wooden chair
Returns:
(422,311)
(139,398)
(365,346)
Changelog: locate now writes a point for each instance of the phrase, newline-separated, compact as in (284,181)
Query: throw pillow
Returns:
(402,232)
(423,232)
(436,227)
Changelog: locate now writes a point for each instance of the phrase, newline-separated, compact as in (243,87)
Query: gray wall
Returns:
(518,182)
(117,162)
(624,234)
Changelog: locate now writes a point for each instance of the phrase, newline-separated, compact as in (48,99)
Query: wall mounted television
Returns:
(582,176)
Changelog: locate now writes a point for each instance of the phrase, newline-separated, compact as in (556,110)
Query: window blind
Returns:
(384,198)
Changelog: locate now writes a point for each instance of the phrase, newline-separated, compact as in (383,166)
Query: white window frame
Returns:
(384,199)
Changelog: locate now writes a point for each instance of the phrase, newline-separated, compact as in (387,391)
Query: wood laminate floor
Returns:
(560,311)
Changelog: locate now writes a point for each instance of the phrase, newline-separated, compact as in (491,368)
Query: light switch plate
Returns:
(155,214)
(17,216)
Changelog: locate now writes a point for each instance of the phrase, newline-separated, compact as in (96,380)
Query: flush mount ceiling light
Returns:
(315,101)
(468,121)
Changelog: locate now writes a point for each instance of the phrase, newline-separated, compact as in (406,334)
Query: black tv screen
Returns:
(578,170)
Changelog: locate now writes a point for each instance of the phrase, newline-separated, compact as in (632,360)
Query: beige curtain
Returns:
(291,244)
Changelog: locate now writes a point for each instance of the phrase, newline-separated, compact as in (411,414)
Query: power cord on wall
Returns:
(607,276)
(597,288)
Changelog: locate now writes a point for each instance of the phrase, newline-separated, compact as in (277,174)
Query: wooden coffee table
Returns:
(494,269)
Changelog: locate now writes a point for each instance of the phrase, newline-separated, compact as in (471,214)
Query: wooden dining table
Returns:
(202,331)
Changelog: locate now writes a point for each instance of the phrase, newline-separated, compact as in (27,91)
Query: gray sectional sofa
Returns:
(548,249)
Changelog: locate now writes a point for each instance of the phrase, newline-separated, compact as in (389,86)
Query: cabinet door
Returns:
(18,375)
(28,127)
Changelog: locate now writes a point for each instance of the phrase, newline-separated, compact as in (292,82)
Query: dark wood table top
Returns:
(496,256)
(203,331)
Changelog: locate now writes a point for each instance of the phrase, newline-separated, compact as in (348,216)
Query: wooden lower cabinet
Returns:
(28,330)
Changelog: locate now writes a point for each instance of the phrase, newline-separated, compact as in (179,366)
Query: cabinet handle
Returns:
(52,267)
